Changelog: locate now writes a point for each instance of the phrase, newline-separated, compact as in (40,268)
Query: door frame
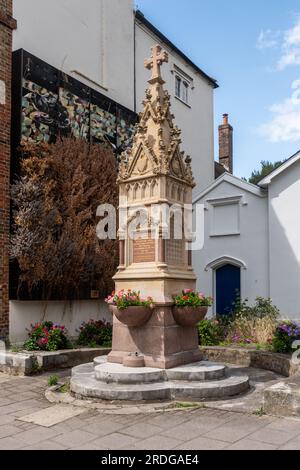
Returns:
(218,263)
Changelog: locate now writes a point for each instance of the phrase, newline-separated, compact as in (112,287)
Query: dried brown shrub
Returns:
(55,202)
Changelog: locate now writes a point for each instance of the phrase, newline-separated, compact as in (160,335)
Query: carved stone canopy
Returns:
(156,144)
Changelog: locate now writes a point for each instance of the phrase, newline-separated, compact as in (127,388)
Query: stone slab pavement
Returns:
(208,427)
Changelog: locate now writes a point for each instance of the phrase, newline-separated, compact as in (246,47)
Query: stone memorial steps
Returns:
(110,381)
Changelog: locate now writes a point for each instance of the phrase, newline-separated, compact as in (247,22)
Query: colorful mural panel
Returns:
(38,113)
(78,111)
(125,129)
(103,124)
(54,103)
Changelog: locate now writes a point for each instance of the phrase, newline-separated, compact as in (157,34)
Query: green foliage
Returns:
(46,336)
(262,308)
(286,333)
(266,168)
(95,333)
(190,298)
(253,324)
(259,412)
(52,380)
(211,332)
(184,405)
(65,388)
(129,298)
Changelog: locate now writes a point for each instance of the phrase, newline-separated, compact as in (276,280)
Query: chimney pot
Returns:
(226,144)
(225,119)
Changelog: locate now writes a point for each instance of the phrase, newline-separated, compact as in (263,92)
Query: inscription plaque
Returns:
(143,250)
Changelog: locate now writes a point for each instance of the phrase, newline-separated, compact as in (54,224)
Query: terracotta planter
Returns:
(132,316)
(189,316)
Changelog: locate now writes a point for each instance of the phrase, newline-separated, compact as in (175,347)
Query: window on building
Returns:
(185,92)
(177,86)
(182,86)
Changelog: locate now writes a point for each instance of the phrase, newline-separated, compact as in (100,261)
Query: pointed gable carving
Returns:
(156,144)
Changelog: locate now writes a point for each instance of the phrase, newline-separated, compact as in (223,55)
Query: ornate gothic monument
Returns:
(153,260)
(164,353)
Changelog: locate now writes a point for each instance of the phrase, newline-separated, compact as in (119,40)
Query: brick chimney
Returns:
(225,144)
(7,25)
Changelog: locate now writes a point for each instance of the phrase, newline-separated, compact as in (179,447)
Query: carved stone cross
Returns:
(156,60)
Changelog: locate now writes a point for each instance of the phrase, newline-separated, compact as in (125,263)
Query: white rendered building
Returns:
(251,240)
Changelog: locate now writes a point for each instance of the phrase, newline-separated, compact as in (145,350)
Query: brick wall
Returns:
(7,24)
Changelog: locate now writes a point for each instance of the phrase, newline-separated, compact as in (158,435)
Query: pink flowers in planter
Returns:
(129,298)
(191,298)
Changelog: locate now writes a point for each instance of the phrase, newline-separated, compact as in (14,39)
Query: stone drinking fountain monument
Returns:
(155,356)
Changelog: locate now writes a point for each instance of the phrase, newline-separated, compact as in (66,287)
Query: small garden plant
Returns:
(211,332)
(52,380)
(191,298)
(47,336)
(285,334)
(129,298)
(95,333)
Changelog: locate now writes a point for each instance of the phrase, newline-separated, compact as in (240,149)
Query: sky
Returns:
(253,50)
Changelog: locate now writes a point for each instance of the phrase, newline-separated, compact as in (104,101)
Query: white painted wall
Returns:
(70,314)
(196,122)
(284,239)
(250,246)
(94,37)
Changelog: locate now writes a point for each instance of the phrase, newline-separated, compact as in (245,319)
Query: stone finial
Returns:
(158,57)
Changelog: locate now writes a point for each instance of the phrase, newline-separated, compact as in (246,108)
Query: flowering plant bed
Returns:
(47,336)
(95,333)
(191,298)
(130,298)
(285,334)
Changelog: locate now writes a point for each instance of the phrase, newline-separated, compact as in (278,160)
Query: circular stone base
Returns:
(200,380)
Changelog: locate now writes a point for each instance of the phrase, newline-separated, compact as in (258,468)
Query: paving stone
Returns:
(8,430)
(293,444)
(23,405)
(17,414)
(229,432)
(157,442)
(52,415)
(6,419)
(249,444)
(105,428)
(45,445)
(114,441)
(168,419)
(74,438)
(88,446)
(141,429)
(286,424)
(273,436)
(35,435)
(10,443)
(202,443)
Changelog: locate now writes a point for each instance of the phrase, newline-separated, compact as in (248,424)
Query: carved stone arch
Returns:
(179,192)
(222,260)
(152,188)
(136,191)
(129,191)
(144,189)
(173,191)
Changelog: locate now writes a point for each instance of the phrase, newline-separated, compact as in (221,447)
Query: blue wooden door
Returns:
(228,287)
